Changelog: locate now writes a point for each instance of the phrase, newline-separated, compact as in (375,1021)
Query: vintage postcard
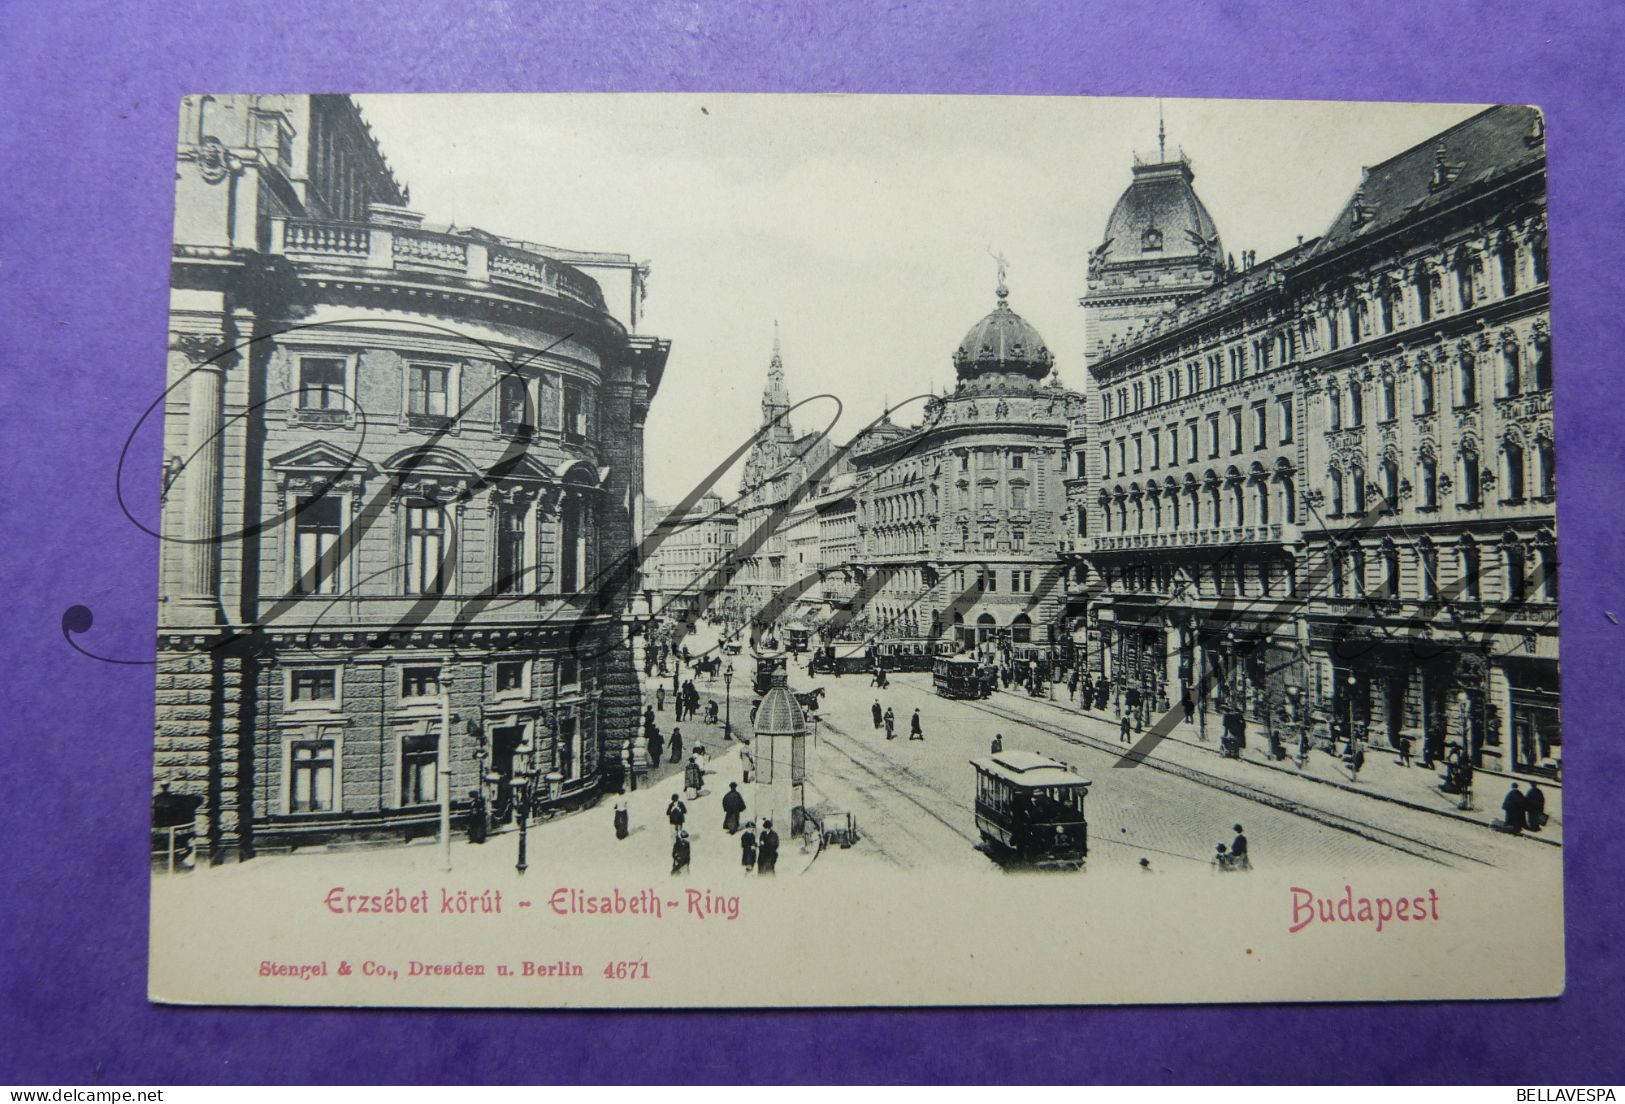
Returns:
(691,550)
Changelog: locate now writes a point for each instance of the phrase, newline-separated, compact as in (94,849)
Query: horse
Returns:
(809,700)
(709,667)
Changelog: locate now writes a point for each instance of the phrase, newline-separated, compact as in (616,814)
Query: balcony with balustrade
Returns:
(1219,536)
(378,248)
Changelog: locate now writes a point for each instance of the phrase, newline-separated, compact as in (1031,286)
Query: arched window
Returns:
(1511,368)
(1170,494)
(1357,480)
(1356,320)
(1194,494)
(1470,491)
(1466,379)
(1357,568)
(1390,398)
(1238,503)
(1356,405)
(1427,562)
(1388,305)
(1546,551)
(1214,511)
(1261,501)
(1424,388)
(1139,513)
(1545,468)
(1468,269)
(1537,257)
(1512,457)
(1506,257)
(1390,570)
(1334,409)
(1390,483)
(1469,560)
(1516,564)
(1425,282)
(1106,406)
(1543,364)
(1156,509)
(1336,477)
(1430,480)
(1021,629)
(986,628)
(1289,497)
(1339,572)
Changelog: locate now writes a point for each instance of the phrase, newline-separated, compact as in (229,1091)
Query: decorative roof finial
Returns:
(1162,135)
(775,338)
(1001,291)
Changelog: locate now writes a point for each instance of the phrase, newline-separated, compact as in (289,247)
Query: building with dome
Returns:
(957,519)
(403,475)
(1320,487)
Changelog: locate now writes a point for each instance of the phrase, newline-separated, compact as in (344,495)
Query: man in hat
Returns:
(914,731)
(876,712)
(747,847)
(676,813)
(1238,850)
(680,853)
(998,743)
(1534,807)
(656,746)
(1515,809)
(676,745)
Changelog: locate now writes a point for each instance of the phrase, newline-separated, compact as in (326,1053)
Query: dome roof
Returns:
(779,714)
(1159,216)
(1003,342)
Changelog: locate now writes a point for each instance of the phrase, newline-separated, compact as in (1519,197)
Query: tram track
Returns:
(1413,846)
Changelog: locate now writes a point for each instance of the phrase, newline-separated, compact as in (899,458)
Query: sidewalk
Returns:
(1383,778)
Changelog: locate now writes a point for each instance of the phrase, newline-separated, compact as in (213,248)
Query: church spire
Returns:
(775,395)
(1162,137)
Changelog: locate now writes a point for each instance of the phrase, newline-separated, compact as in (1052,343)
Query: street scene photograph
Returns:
(948,549)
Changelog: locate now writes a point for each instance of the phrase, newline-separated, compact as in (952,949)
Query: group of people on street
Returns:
(687,701)
(1524,811)
(887,720)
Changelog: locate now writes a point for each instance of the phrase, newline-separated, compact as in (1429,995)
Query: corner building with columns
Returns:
(402,480)
(1322,489)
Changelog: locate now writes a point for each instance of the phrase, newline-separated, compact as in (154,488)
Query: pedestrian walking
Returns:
(767,849)
(1239,859)
(660,698)
(1189,707)
(676,813)
(680,853)
(1534,807)
(747,765)
(693,778)
(1221,859)
(914,731)
(676,745)
(891,724)
(622,820)
(1303,749)
(876,712)
(657,747)
(1404,750)
(733,803)
(1356,761)
(998,743)
(648,719)
(477,827)
(1515,809)
(747,847)
(1122,730)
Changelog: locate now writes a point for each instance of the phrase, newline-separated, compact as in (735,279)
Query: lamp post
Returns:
(728,702)
(521,804)
(442,770)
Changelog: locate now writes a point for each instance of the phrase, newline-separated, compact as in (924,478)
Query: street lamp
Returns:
(521,803)
(442,770)
(728,702)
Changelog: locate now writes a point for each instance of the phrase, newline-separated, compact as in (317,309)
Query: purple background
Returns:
(87,129)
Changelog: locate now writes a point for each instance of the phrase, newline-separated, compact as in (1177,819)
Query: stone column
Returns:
(194,594)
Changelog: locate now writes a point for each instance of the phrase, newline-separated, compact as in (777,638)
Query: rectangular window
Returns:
(425,547)
(987,541)
(1018,540)
(1235,429)
(1212,436)
(1018,461)
(420,682)
(1122,456)
(428,390)
(316,545)
(321,383)
(1015,582)
(1156,449)
(1018,497)
(569,671)
(992,580)
(1261,426)
(313,684)
(576,412)
(1195,444)
(515,402)
(420,770)
(510,549)
(1284,405)
(1139,454)
(510,676)
(310,782)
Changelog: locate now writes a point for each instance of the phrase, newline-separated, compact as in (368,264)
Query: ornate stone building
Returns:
(957,519)
(403,475)
(1324,487)
(688,571)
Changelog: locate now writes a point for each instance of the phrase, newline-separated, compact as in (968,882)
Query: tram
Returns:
(961,677)
(1029,810)
(765,666)
(797,637)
